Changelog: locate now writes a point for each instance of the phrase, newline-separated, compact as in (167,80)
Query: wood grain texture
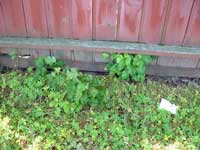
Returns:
(154,14)
(198,65)
(130,18)
(62,54)
(39,52)
(192,37)
(99,46)
(23,57)
(173,71)
(176,25)
(83,56)
(36,19)
(2,23)
(106,19)
(82,19)
(177,62)
(13,17)
(59,18)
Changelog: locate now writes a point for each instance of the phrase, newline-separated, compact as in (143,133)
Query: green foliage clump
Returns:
(49,62)
(128,67)
(61,108)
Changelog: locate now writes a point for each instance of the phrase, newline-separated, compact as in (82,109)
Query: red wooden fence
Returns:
(171,22)
(174,22)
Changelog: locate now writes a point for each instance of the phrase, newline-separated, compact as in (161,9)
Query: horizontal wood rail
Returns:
(100,46)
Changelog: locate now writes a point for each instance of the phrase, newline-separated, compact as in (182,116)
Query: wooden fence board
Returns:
(14,17)
(2,23)
(82,19)
(154,14)
(36,19)
(173,71)
(130,18)
(100,46)
(62,54)
(83,56)
(177,23)
(178,62)
(193,33)
(99,59)
(36,23)
(122,20)
(39,52)
(106,19)
(198,65)
(59,18)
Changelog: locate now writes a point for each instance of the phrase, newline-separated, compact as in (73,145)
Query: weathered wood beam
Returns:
(100,46)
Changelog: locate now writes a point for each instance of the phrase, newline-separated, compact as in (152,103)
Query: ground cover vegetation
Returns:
(54,107)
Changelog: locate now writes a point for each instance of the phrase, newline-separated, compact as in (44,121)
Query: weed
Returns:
(128,67)
(61,108)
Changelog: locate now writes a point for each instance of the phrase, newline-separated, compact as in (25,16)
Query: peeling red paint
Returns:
(177,23)
(106,18)
(36,19)
(153,21)
(146,21)
(59,18)
(130,17)
(14,17)
(82,19)
(193,33)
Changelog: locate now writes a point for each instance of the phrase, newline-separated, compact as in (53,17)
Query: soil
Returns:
(176,81)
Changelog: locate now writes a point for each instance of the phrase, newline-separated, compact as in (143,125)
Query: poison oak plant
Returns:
(128,67)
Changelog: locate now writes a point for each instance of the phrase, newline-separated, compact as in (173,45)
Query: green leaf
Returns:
(105,56)
(50,60)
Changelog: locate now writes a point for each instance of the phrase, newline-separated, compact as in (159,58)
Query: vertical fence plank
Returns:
(59,24)
(130,17)
(36,22)
(177,21)
(59,16)
(175,28)
(192,37)
(13,17)
(12,14)
(35,16)
(2,23)
(82,19)
(106,19)
(153,20)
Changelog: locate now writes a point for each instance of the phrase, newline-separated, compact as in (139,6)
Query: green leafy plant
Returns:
(49,62)
(66,109)
(13,55)
(128,67)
